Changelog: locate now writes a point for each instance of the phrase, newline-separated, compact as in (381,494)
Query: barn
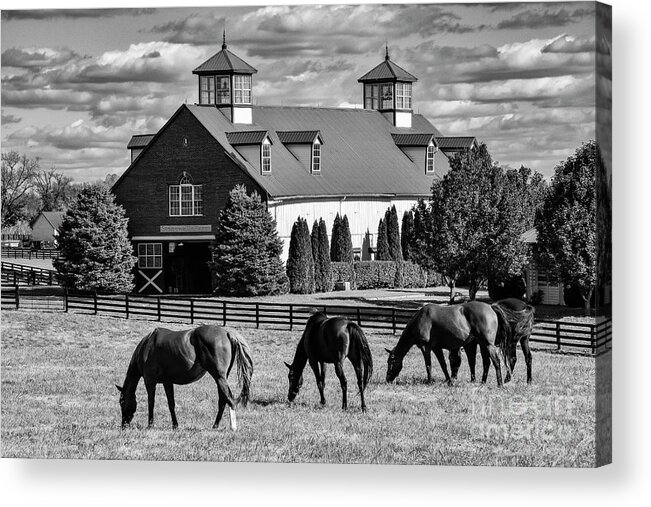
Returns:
(304,161)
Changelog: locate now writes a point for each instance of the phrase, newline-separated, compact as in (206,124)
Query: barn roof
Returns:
(54,218)
(455,143)
(298,136)
(413,139)
(139,141)
(226,62)
(387,70)
(246,137)
(360,158)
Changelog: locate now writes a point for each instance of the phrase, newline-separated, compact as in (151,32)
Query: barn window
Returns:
(403,95)
(242,89)
(185,199)
(429,164)
(371,96)
(223,94)
(207,85)
(387,96)
(316,156)
(150,255)
(266,156)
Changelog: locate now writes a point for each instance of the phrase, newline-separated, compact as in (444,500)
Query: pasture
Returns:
(59,401)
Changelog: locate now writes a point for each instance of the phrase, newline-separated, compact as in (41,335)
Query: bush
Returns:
(379,274)
(537,297)
(343,272)
(513,287)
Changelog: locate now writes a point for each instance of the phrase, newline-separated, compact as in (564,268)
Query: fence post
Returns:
(291,317)
(17,297)
(65,299)
(50,278)
(158,308)
(359,317)
(257,315)
(126,305)
(593,340)
(191,311)
(95,302)
(393,319)
(558,336)
(224,312)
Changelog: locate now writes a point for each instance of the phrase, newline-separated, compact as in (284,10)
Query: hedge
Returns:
(383,275)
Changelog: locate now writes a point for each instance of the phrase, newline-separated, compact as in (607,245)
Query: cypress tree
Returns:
(246,260)
(96,253)
(336,231)
(318,261)
(300,263)
(393,233)
(407,236)
(382,252)
(346,241)
(324,254)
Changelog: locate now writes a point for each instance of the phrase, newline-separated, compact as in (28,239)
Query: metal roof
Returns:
(226,62)
(54,218)
(246,137)
(299,136)
(360,158)
(530,236)
(140,141)
(455,143)
(387,70)
(412,139)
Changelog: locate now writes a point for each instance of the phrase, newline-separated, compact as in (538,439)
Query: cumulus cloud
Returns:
(9,118)
(569,44)
(540,18)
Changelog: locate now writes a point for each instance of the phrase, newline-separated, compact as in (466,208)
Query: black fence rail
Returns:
(19,274)
(593,338)
(28,253)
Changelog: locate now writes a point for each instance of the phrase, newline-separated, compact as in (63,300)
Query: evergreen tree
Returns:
(247,256)
(96,253)
(346,241)
(393,233)
(300,263)
(334,245)
(407,236)
(421,239)
(324,254)
(382,252)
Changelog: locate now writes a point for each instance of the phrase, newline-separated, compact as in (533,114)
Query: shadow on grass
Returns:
(266,402)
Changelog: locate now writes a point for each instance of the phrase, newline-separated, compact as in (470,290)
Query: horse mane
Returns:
(513,324)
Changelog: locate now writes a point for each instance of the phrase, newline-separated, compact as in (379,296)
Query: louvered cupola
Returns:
(225,81)
(387,88)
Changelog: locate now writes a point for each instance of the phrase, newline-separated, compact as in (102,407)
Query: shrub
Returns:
(513,287)
(382,252)
(343,272)
(300,263)
(393,234)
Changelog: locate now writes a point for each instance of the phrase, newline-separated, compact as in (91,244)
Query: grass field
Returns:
(59,401)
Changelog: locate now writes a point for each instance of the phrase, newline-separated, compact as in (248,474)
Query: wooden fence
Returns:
(560,335)
(19,274)
(28,253)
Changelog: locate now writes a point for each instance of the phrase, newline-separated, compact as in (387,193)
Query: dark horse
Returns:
(516,323)
(434,328)
(182,357)
(331,340)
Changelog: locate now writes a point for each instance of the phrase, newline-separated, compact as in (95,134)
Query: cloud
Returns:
(49,14)
(37,59)
(537,18)
(10,118)
(567,44)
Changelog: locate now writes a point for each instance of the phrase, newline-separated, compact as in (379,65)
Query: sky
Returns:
(78,83)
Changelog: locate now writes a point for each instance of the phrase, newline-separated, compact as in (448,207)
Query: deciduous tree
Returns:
(18,173)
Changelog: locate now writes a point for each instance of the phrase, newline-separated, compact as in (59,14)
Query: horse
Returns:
(516,323)
(182,357)
(331,340)
(434,328)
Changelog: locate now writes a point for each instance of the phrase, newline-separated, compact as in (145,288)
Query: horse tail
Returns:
(242,356)
(357,335)
(512,325)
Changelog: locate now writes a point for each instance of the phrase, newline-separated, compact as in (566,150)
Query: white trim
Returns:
(173,238)
(150,281)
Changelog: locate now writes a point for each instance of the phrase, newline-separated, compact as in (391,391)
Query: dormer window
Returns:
(403,95)
(185,199)
(242,88)
(316,156)
(429,161)
(266,156)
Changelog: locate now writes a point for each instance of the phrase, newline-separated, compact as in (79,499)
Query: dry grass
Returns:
(59,401)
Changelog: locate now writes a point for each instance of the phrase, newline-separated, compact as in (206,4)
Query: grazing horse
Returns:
(515,325)
(434,328)
(331,340)
(182,357)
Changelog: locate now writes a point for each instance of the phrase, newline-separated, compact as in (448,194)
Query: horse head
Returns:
(127,406)
(394,365)
(295,382)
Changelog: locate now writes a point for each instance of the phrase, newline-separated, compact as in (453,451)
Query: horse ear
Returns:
(288,365)
(388,350)
(119,388)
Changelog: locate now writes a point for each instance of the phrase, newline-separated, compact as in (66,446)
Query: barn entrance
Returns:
(187,270)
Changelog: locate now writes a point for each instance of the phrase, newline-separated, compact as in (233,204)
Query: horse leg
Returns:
(151,395)
(438,352)
(428,362)
(339,370)
(454,356)
(527,356)
(471,354)
(225,398)
(357,365)
(495,359)
(169,392)
(319,382)
(486,362)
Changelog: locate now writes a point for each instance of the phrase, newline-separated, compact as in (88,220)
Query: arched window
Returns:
(266,156)
(316,156)
(429,163)
(185,199)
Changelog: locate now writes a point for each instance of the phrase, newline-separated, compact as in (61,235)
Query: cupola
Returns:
(225,82)
(387,88)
